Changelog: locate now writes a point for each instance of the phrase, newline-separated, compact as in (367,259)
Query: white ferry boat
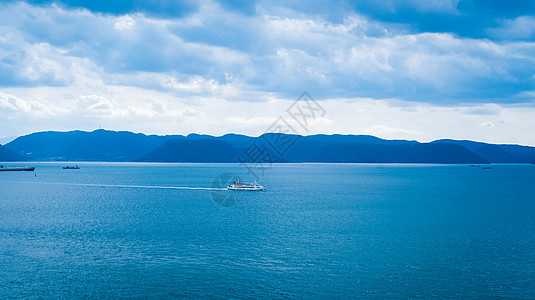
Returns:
(240,186)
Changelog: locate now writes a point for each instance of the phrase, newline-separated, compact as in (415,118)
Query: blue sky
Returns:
(409,69)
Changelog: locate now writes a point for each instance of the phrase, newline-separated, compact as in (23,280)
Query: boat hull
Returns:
(245,189)
(18,169)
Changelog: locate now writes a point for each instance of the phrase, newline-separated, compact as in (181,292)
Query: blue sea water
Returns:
(114,230)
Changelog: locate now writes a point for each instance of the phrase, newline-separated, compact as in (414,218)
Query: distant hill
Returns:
(397,152)
(104,145)
(99,145)
(497,153)
(192,150)
(333,149)
(8,155)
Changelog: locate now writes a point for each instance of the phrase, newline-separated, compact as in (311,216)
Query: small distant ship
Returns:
(71,168)
(240,186)
(475,165)
(2,168)
(486,167)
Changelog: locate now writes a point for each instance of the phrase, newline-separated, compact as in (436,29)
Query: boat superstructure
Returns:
(240,186)
(71,168)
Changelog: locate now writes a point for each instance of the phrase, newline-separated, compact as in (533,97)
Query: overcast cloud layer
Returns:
(397,69)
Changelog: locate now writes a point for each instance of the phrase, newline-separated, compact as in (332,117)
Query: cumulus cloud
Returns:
(125,22)
(289,52)
(13,103)
(522,27)
(94,103)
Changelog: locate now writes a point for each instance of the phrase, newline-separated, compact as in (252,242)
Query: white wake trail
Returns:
(127,186)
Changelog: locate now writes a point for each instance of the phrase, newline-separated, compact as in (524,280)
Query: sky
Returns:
(405,69)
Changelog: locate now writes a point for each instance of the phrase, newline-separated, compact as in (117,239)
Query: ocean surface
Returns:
(321,231)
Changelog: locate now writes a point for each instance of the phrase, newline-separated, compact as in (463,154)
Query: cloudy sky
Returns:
(411,69)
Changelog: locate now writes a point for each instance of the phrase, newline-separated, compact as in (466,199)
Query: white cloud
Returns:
(190,112)
(126,22)
(94,103)
(263,53)
(382,130)
(13,103)
(487,124)
(195,84)
(522,27)
(46,64)
(21,107)
(254,121)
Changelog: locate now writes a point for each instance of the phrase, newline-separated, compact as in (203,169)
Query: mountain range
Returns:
(105,145)
(8,155)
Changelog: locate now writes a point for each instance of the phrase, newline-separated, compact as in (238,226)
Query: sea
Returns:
(319,231)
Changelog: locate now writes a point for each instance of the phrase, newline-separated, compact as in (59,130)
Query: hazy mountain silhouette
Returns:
(103,145)
(8,155)
(497,153)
